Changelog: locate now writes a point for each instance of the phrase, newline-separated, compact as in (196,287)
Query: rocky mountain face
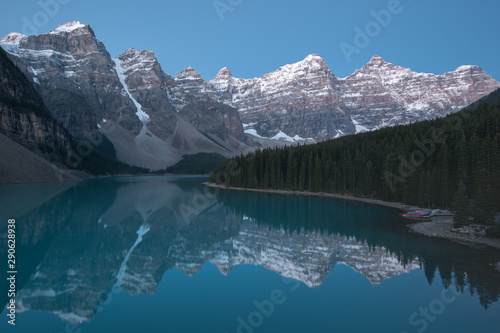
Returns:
(129,98)
(25,119)
(381,94)
(301,100)
(306,100)
(296,102)
(74,74)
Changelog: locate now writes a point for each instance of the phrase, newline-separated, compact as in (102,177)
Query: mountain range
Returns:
(150,119)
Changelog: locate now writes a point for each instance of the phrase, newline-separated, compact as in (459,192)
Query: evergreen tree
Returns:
(460,207)
(485,205)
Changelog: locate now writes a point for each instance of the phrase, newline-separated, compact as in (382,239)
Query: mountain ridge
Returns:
(153,119)
(369,96)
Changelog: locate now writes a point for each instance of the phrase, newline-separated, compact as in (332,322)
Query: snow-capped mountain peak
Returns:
(134,59)
(145,54)
(468,68)
(312,62)
(188,74)
(315,59)
(68,27)
(12,38)
(224,74)
(376,60)
(190,81)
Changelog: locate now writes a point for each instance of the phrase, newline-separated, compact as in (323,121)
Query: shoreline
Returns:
(83,176)
(396,205)
(441,226)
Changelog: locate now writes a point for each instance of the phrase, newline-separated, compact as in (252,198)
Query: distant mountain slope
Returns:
(19,165)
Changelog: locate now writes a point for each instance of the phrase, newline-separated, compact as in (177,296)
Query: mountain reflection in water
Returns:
(79,242)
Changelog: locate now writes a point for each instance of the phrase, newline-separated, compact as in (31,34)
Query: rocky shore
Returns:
(441,226)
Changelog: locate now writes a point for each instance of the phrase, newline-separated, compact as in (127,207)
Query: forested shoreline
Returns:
(442,163)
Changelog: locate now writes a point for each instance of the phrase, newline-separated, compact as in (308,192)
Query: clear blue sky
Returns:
(258,36)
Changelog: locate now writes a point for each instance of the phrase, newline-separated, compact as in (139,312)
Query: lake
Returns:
(167,254)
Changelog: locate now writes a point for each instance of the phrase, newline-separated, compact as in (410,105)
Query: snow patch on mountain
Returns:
(143,116)
(281,136)
(284,137)
(359,128)
(67,27)
(253,132)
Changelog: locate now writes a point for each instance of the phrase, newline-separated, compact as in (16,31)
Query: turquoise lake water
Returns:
(167,254)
